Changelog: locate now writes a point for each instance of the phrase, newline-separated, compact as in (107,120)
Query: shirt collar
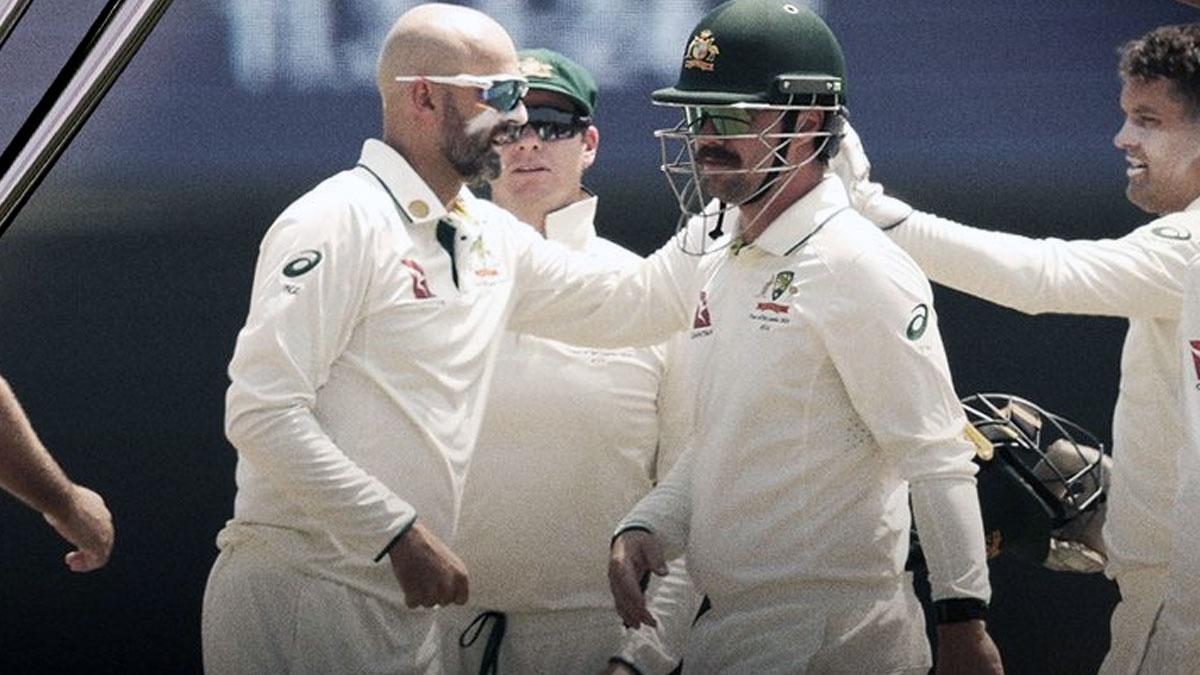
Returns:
(574,225)
(1194,206)
(412,195)
(804,217)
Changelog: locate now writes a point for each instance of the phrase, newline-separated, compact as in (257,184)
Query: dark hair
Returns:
(1169,53)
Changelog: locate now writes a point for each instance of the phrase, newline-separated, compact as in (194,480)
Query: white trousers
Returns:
(261,616)
(1141,595)
(563,641)
(820,630)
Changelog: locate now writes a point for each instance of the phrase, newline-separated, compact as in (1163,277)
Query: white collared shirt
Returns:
(358,382)
(821,388)
(1139,276)
(571,439)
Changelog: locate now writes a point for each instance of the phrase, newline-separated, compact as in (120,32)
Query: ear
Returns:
(591,141)
(420,100)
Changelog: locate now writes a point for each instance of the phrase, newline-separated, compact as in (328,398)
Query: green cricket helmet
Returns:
(747,56)
(758,51)
(1042,485)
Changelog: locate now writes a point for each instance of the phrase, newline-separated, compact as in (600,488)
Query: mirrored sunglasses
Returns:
(501,92)
(552,124)
(725,121)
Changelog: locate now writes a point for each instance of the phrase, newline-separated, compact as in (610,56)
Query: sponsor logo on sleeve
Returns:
(918,322)
(303,263)
(1171,232)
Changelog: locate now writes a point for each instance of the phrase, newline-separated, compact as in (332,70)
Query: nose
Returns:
(1124,139)
(528,139)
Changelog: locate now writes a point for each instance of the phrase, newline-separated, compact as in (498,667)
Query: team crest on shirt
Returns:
(483,263)
(419,282)
(702,320)
(771,306)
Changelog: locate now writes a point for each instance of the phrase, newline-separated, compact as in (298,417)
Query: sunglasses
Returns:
(501,92)
(552,124)
(725,121)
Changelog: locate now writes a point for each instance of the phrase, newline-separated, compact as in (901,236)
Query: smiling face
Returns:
(540,176)
(1161,141)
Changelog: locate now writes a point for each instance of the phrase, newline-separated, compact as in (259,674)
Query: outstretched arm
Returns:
(28,471)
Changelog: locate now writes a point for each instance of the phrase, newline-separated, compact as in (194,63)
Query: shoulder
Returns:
(1173,231)
(860,257)
(342,203)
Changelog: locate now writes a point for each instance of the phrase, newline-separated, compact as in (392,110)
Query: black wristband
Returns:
(403,531)
(959,610)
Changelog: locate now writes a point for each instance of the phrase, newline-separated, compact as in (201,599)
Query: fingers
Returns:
(84,561)
(633,556)
(87,525)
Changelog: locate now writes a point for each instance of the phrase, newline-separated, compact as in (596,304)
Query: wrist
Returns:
(959,610)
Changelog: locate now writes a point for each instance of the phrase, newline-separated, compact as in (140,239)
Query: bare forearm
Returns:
(26,468)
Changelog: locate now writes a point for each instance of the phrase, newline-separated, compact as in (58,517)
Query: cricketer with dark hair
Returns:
(1139,276)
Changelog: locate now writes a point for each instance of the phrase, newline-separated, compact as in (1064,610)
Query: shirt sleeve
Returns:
(572,298)
(881,333)
(666,509)
(310,284)
(1139,275)
(672,599)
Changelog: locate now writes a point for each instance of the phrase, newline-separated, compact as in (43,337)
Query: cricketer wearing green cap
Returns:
(572,438)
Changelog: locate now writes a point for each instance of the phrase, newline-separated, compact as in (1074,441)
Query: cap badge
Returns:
(531,67)
(702,51)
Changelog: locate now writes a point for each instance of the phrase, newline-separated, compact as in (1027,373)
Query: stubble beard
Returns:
(472,154)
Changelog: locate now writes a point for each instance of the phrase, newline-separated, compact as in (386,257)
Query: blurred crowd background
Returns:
(126,278)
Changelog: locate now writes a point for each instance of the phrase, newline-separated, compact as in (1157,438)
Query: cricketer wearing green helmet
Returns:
(823,398)
(774,62)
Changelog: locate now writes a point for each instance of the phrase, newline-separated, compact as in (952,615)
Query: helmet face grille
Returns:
(688,178)
(1045,464)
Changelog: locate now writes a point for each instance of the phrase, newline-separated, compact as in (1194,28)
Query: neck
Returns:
(427,162)
(755,218)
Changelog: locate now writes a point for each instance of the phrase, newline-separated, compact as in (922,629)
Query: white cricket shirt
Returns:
(1140,277)
(821,389)
(358,382)
(571,439)
(1174,645)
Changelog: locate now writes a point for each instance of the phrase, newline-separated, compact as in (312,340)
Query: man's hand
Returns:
(87,524)
(966,648)
(429,573)
(853,167)
(634,554)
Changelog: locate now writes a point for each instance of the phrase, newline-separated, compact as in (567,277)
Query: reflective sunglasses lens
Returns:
(725,121)
(554,131)
(505,94)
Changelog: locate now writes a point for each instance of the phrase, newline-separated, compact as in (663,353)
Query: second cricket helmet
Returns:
(744,56)
(1043,491)
(1042,485)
